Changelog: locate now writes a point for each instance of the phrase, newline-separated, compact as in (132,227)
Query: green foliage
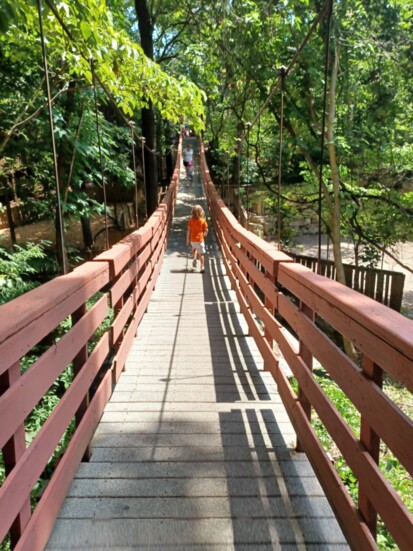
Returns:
(18,268)
(32,210)
(119,62)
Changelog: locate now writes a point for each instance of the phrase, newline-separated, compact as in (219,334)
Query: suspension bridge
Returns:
(188,433)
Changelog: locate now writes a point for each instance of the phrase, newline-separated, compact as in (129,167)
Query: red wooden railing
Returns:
(385,286)
(123,279)
(276,294)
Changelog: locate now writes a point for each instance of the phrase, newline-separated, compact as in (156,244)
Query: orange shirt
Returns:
(197,227)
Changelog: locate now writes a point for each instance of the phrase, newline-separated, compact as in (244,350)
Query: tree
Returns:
(126,78)
(146,24)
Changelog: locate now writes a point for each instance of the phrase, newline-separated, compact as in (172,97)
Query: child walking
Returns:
(195,235)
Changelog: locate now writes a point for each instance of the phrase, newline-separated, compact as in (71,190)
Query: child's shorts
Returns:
(199,246)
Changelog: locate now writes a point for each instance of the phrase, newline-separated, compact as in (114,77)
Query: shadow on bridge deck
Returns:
(195,450)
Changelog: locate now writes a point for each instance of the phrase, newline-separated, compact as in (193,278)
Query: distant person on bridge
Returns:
(188,155)
(195,235)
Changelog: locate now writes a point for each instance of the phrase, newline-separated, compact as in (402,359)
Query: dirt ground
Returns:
(44,230)
(308,245)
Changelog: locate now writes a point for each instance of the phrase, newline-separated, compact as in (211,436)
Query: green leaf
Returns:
(86,29)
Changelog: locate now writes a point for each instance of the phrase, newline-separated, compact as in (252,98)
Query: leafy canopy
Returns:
(79,31)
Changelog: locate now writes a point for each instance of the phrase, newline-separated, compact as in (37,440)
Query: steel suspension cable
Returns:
(282,77)
(248,125)
(320,180)
(92,66)
(132,124)
(56,171)
(239,145)
(144,175)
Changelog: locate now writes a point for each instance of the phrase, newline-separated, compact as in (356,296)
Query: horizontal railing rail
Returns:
(104,300)
(283,303)
(385,286)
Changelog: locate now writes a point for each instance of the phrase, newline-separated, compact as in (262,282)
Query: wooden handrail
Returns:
(277,295)
(385,286)
(121,278)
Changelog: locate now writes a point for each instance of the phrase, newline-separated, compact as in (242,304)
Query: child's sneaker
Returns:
(202,270)
(194,263)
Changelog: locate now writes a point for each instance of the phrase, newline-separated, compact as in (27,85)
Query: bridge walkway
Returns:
(194,449)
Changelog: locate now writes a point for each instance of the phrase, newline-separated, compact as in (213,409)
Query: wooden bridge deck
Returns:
(195,449)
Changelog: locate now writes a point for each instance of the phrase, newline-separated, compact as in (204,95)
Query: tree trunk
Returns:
(145,24)
(87,232)
(335,176)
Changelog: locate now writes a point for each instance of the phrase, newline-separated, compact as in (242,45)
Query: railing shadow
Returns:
(234,354)
(274,495)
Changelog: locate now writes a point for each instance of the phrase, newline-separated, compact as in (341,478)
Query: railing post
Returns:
(270,307)
(371,442)
(307,358)
(12,452)
(116,344)
(78,362)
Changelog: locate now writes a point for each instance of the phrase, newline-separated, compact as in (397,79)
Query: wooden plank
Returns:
(396,292)
(13,450)
(387,420)
(78,362)
(123,282)
(306,355)
(29,318)
(125,346)
(19,483)
(384,498)
(122,317)
(42,522)
(147,282)
(371,441)
(377,331)
(21,398)
(355,530)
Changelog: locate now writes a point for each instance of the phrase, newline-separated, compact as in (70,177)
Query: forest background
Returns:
(213,66)
(216,67)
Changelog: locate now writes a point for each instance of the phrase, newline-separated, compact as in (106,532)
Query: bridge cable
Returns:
(55,164)
(282,76)
(132,124)
(239,145)
(248,125)
(92,67)
(144,175)
(320,180)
